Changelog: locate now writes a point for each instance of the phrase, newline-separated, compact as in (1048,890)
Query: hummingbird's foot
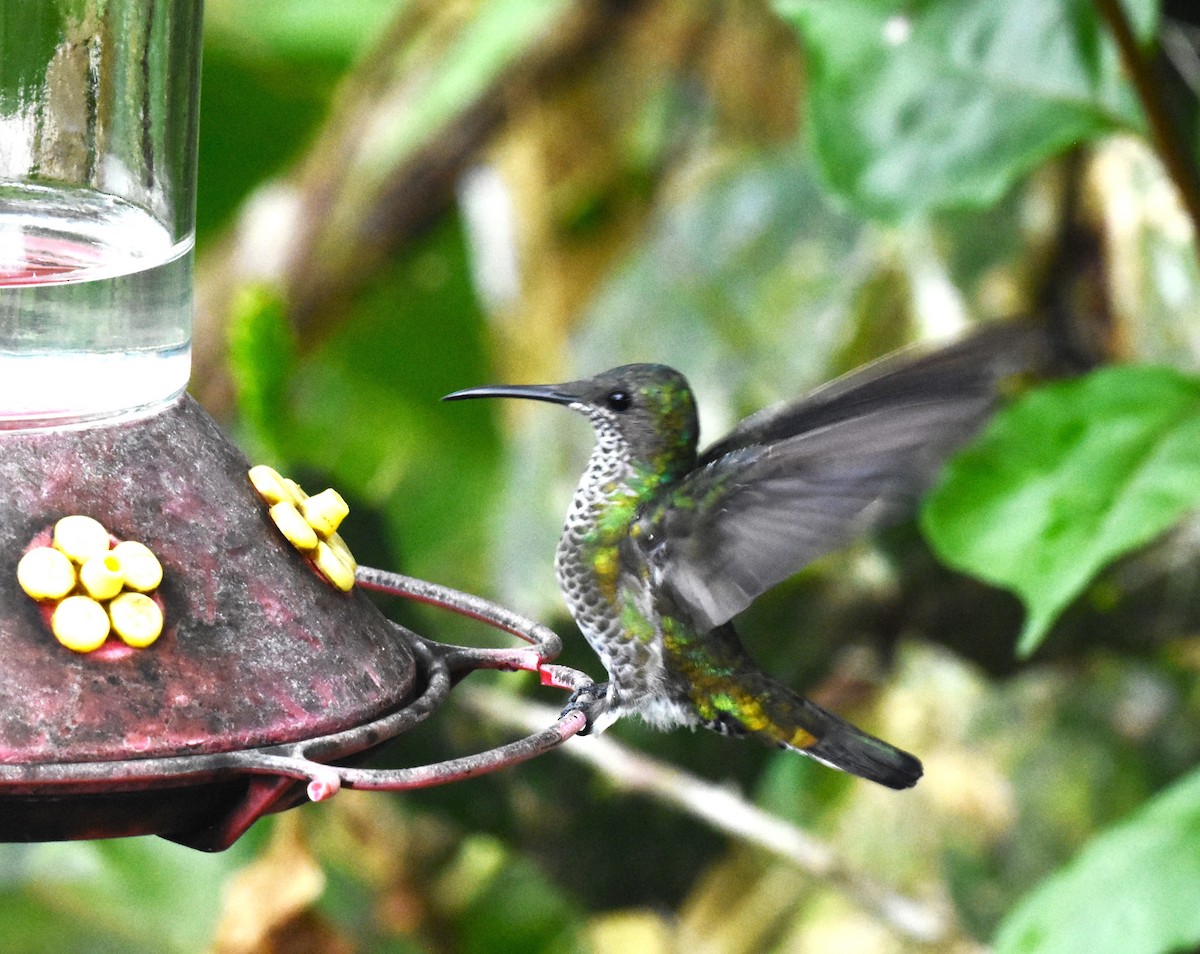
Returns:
(592,701)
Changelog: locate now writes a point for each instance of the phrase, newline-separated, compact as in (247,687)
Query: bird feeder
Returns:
(269,680)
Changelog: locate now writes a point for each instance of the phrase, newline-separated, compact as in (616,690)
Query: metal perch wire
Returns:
(270,772)
(444,665)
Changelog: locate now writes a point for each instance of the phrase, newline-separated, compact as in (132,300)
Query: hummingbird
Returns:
(663,545)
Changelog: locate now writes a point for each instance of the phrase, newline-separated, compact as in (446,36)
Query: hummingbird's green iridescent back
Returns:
(661,548)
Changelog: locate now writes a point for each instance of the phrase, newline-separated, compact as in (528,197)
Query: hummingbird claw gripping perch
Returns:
(592,701)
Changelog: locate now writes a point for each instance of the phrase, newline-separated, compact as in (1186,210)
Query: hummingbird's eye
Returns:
(618,399)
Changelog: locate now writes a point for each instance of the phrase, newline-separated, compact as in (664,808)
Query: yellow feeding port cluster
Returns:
(93,587)
(309,523)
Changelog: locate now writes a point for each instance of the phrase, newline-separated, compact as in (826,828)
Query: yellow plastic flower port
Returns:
(309,523)
(80,624)
(91,590)
(139,565)
(324,512)
(336,570)
(101,576)
(270,486)
(136,619)
(80,537)
(293,526)
(338,546)
(46,574)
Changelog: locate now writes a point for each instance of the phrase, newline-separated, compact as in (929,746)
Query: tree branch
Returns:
(728,812)
(1149,80)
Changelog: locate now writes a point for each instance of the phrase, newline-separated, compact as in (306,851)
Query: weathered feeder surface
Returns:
(256,648)
(268,685)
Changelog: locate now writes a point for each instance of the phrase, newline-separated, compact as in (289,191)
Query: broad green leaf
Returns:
(1134,890)
(1067,479)
(947,103)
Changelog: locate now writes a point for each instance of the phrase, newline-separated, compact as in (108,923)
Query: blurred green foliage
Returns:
(950,107)
(1145,869)
(1068,479)
(763,195)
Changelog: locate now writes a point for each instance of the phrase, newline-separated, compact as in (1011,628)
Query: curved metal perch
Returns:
(460,659)
(447,664)
(272,771)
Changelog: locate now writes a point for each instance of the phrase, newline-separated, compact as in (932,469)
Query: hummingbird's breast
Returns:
(609,589)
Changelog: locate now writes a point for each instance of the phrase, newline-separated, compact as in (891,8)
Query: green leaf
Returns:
(298,29)
(1067,479)
(1134,890)
(262,360)
(947,103)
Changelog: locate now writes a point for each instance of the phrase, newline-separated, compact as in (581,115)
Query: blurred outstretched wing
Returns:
(796,481)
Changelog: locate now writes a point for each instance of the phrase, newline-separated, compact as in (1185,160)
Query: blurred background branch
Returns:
(734,816)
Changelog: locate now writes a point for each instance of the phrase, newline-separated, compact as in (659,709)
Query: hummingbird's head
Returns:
(646,410)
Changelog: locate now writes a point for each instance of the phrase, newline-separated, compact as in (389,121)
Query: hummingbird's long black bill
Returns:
(553,393)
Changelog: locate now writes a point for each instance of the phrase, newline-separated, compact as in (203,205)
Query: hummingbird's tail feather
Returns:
(786,718)
(839,744)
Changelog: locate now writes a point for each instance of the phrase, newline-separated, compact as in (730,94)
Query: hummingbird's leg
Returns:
(592,700)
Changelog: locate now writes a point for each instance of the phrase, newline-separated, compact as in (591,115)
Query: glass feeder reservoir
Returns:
(98,109)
